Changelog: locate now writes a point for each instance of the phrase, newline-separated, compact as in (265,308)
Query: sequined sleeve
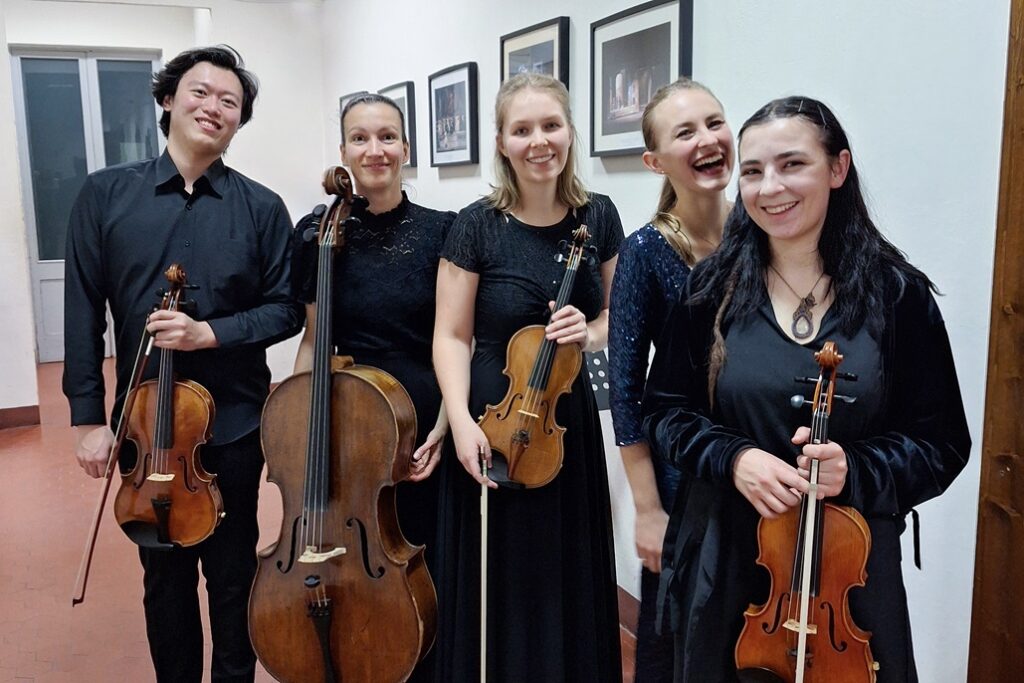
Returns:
(648,278)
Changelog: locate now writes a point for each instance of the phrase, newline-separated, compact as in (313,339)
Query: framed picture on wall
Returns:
(453,127)
(542,48)
(632,54)
(342,101)
(404,95)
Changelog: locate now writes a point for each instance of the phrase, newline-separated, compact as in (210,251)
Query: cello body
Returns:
(383,615)
(341,596)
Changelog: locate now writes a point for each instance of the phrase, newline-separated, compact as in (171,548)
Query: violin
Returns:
(521,429)
(167,498)
(341,596)
(815,555)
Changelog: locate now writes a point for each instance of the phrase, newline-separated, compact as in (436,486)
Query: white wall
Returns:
(17,344)
(920,91)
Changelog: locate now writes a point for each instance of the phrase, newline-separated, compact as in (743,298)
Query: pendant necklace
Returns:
(803,316)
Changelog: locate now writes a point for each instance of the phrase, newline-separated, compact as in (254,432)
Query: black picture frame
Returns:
(541,48)
(342,101)
(404,95)
(632,54)
(453,115)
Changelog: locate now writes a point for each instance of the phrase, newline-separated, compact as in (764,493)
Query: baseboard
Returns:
(629,611)
(23,416)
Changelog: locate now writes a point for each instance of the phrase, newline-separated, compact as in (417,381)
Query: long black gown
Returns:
(552,608)
(385,277)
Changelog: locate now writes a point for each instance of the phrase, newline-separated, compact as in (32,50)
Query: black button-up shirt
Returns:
(231,237)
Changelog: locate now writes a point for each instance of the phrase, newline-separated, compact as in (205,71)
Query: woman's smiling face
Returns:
(786,177)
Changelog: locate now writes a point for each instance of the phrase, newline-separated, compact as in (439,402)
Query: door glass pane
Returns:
(129,117)
(56,146)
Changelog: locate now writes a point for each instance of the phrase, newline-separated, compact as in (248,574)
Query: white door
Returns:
(76,112)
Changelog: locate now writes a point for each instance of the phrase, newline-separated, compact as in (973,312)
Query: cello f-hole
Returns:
(364,549)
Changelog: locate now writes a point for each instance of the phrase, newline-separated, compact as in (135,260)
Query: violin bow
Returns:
(483,568)
(141,357)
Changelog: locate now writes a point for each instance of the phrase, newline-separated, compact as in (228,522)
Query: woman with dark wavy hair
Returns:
(801,263)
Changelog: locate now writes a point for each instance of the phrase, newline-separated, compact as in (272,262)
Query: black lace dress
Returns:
(385,277)
(552,612)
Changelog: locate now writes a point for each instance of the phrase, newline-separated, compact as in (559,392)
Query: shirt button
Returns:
(188,243)
(188,207)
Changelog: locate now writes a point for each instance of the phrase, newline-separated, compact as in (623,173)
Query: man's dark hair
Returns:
(165,82)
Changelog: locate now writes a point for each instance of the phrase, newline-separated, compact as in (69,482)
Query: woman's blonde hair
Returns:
(504,194)
(666,223)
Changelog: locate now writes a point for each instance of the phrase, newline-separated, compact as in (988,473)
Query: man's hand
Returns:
(92,448)
(175,330)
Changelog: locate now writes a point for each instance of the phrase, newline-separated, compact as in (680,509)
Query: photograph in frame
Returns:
(632,54)
(541,48)
(404,95)
(453,115)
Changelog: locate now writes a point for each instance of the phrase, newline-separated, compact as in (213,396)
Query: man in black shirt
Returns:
(231,236)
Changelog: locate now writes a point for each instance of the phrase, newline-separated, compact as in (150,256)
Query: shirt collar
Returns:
(213,181)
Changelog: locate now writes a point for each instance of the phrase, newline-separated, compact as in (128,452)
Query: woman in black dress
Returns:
(384,280)
(552,613)
(801,263)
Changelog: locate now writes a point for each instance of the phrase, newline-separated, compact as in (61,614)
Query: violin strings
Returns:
(816,434)
(542,367)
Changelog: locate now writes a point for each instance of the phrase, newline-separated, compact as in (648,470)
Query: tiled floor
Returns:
(46,507)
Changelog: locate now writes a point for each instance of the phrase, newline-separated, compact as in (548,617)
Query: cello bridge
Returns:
(159,476)
(528,413)
(312,556)
(794,626)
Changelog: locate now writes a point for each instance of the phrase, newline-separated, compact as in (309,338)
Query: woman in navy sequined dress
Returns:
(689,142)
(383,295)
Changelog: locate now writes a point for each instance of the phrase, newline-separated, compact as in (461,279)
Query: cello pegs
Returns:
(797,401)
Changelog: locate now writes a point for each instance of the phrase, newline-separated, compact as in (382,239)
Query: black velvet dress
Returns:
(552,608)
(385,277)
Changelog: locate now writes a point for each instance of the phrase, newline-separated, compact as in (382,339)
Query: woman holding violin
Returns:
(689,143)
(801,263)
(383,295)
(551,612)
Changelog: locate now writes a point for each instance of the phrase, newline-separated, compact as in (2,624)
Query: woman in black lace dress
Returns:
(384,279)
(552,612)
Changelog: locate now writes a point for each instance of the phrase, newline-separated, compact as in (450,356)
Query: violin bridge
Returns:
(158,476)
(311,556)
(528,414)
(794,626)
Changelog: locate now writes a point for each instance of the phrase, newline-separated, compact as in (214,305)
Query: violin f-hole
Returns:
(777,621)
(837,646)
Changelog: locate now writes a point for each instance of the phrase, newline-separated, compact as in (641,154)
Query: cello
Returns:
(815,554)
(167,498)
(341,596)
(522,428)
